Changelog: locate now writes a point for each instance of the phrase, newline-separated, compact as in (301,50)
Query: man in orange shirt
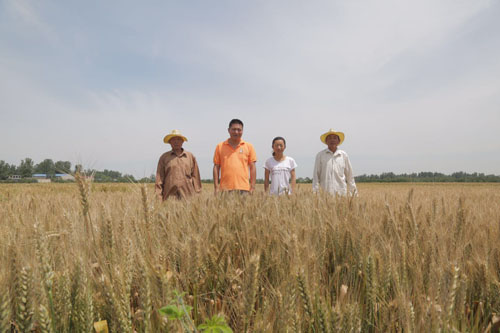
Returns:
(234,160)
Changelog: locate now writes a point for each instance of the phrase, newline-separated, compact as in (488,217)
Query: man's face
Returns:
(176,143)
(235,131)
(332,141)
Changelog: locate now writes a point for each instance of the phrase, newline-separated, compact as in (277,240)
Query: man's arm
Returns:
(316,173)
(351,184)
(253,176)
(160,178)
(252,158)
(216,172)
(195,174)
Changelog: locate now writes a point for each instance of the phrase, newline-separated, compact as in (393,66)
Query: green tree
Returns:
(112,174)
(13,170)
(47,167)
(4,170)
(26,168)
(127,178)
(63,167)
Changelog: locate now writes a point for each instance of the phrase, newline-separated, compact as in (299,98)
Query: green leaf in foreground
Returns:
(216,324)
(174,311)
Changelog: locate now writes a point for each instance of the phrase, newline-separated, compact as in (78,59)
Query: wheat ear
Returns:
(251,290)
(5,310)
(24,312)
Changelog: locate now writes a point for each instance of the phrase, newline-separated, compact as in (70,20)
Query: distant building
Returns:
(64,176)
(43,178)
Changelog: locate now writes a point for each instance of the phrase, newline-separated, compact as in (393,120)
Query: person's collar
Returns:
(173,152)
(239,144)
(337,152)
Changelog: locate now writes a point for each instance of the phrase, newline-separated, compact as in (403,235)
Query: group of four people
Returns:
(234,168)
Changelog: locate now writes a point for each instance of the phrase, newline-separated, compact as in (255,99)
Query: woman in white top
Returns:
(281,168)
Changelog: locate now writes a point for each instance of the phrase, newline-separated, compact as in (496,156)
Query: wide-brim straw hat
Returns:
(173,134)
(331,131)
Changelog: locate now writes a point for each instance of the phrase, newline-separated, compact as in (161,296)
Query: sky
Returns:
(414,85)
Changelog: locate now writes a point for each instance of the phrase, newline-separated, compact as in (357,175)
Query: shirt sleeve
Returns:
(252,156)
(293,164)
(316,173)
(160,178)
(351,184)
(196,176)
(266,165)
(217,155)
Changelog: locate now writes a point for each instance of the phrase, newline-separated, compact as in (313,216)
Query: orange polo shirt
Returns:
(234,164)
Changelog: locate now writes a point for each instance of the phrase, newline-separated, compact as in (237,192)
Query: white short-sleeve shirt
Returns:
(280,172)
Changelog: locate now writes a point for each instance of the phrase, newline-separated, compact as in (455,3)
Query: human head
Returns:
(331,131)
(332,136)
(235,121)
(332,141)
(176,143)
(277,146)
(175,139)
(235,129)
(173,134)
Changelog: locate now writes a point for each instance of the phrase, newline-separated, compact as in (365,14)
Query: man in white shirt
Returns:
(332,169)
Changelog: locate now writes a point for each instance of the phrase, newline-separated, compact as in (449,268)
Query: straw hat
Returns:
(331,131)
(173,134)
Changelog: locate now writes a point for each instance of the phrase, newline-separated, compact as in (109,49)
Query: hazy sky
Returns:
(414,85)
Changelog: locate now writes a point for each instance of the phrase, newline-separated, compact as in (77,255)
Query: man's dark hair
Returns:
(235,121)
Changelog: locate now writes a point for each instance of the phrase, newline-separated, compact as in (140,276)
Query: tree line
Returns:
(27,168)
(424,177)
(429,177)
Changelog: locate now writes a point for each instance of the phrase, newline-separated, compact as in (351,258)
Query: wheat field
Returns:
(400,257)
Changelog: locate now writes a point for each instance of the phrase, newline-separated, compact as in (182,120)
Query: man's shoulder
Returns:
(220,144)
(188,154)
(322,152)
(248,144)
(340,152)
(328,151)
(165,155)
(243,142)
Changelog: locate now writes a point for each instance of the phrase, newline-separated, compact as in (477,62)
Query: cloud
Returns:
(401,79)
(26,16)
